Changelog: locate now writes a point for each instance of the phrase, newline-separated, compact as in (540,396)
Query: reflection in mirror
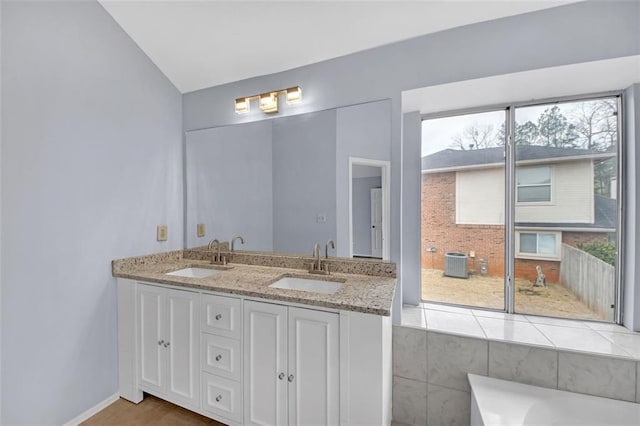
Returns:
(282,183)
(369,208)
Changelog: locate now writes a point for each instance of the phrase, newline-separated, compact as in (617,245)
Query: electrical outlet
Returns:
(321,217)
(200,230)
(162,232)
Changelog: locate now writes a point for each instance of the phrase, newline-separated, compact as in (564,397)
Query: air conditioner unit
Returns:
(455,265)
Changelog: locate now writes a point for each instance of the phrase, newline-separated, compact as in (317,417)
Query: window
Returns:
(537,245)
(463,210)
(533,184)
(527,191)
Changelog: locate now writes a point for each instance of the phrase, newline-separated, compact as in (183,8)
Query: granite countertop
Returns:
(360,293)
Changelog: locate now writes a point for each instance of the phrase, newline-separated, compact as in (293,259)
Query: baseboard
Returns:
(93,410)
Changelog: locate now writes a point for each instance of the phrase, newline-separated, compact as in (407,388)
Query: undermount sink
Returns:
(307,284)
(194,272)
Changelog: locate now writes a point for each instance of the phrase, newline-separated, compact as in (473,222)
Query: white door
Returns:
(265,363)
(314,373)
(183,347)
(151,359)
(376,222)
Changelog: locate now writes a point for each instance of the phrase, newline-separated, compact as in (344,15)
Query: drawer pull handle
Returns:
(160,342)
(290,378)
(218,398)
(218,357)
(166,345)
(218,317)
(281,376)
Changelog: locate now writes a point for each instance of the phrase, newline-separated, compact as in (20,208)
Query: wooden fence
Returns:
(591,279)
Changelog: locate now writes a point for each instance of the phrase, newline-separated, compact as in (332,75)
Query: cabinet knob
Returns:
(218,398)
(281,376)
(160,342)
(218,317)
(166,345)
(290,378)
(218,357)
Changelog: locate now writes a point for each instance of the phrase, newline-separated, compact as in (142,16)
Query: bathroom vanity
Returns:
(251,344)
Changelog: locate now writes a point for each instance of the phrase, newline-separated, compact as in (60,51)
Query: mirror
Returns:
(287,183)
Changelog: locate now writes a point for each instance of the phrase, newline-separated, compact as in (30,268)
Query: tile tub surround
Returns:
(450,356)
(361,293)
(409,401)
(336,264)
(599,376)
(554,333)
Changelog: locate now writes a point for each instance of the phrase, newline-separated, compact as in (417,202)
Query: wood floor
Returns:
(151,411)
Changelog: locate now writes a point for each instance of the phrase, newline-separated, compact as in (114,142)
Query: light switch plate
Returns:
(162,232)
(200,230)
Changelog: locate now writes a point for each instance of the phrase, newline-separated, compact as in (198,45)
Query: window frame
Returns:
(537,255)
(550,185)
(510,187)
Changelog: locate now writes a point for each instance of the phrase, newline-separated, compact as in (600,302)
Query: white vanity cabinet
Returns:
(291,364)
(247,361)
(169,335)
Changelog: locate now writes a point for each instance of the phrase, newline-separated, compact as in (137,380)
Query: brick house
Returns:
(463,207)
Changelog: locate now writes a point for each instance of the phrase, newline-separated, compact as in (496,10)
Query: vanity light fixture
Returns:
(294,95)
(242,105)
(268,102)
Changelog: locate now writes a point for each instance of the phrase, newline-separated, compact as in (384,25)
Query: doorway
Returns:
(368,208)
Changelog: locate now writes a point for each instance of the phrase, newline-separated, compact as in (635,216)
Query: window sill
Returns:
(533,257)
(611,340)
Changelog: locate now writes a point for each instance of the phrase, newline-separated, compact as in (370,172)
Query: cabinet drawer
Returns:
(221,356)
(221,315)
(222,397)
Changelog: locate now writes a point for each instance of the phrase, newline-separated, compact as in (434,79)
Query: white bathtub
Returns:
(497,402)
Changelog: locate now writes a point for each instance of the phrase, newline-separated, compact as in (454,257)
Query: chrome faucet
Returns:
(234,240)
(326,248)
(216,257)
(316,253)
(318,267)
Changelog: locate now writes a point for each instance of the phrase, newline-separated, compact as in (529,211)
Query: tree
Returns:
(475,137)
(555,130)
(603,171)
(596,124)
(527,133)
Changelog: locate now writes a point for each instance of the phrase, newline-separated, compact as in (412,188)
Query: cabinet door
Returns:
(183,346)
(265,364)
(314,374)
(151,359)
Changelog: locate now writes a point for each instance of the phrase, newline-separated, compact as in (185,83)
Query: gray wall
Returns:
(574,33)
(631,303)
(229,185)
(362,131)
(412,206)
(91,164)
(304,181)
(1,3)
(361,193)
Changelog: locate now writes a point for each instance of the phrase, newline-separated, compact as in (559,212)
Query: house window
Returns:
(530,192)
(533,184)
(538,245)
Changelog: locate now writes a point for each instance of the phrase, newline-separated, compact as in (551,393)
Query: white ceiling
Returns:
(199,44)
